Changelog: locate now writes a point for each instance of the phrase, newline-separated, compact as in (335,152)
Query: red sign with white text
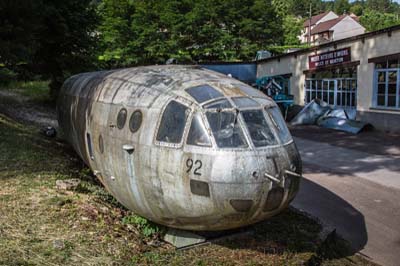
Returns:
(329,58)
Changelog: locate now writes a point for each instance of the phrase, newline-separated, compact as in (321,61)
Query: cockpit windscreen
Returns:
(218,104)
(279,123)
(244,102)
(258,128)
(203,93)
(226,129)
(250,90)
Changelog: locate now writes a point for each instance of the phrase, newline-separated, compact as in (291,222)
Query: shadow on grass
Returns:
(292,232)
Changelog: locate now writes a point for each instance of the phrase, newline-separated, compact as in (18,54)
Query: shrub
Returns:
(147,228)
(6,76)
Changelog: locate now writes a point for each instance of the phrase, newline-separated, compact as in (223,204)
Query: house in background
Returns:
(328,26)
(313,21)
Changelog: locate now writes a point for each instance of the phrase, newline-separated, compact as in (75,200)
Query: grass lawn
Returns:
(40,225)
(35,91)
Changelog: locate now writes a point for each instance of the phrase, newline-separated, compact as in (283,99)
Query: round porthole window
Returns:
(135,121)
(121,119)
(101,144)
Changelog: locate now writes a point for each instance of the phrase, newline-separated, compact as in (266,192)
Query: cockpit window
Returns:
(218,104)
(280,124)
(172,123)
(263,101)
(198,134)
(259,129)
(250,90)
(226,130)
(244,102)
(203,93)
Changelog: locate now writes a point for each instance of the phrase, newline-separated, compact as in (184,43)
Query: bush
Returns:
(7,76)
(146,228)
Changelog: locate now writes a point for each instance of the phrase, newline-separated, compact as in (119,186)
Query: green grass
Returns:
(40,225)
(34,91)
(33,214)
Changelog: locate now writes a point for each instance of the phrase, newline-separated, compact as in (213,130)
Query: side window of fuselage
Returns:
(173,123)
(279,123)
(198,135)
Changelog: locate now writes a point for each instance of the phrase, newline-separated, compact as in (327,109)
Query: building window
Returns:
(392,63)
(386,88)
(338,92)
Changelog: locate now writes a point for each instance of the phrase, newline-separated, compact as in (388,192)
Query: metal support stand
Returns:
(182,239)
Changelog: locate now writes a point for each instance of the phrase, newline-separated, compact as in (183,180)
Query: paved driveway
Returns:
(355,190)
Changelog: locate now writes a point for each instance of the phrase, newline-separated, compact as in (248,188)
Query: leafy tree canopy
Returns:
(341,7)
(374,20)
(153,31)
(53,38)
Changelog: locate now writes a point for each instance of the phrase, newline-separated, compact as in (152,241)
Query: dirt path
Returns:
(21,109)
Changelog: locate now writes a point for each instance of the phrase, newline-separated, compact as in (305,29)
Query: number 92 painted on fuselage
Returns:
(182,146)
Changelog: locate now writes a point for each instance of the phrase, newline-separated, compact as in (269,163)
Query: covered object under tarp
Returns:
(319,113)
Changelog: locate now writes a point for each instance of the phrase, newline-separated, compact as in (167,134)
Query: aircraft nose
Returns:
(284,176)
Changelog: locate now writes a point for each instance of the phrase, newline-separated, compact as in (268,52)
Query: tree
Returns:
(356,9)
(202,30)
(378,5)
(156,26)
(302,7)
(54,38)
(281,7)
(374,20)
(66,39)
(292,29)
(115,31)
(342,6)
(17,39)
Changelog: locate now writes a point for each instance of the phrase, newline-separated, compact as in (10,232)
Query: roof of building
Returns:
(315,19)
(354,16)
(333,43)
(327,25)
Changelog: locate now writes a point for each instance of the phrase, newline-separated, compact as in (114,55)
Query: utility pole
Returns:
(309,26)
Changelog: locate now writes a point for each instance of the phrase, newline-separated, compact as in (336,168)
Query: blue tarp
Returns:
(246,72)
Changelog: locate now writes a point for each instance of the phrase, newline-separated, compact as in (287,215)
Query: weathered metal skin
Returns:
(174,184)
